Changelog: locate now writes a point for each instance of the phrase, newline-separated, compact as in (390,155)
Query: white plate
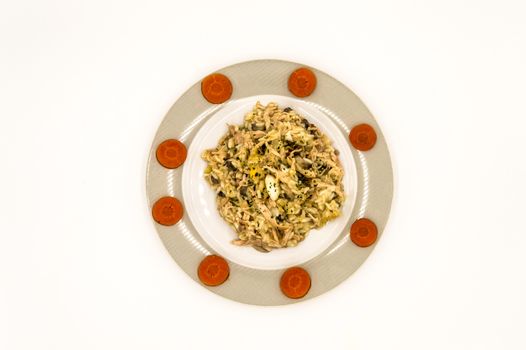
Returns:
(200,199)
(328,255)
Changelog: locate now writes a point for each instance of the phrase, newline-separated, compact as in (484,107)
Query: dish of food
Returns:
(200,198)
(275,156)
(276,176)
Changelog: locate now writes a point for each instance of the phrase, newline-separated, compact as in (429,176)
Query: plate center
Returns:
(200,198)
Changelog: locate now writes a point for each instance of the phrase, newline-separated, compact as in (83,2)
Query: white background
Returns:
(84,85)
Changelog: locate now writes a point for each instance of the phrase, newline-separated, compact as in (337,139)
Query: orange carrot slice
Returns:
(295,282)
(167,211)
(363,232)
(213,270)
(363,137)
(216,88)
(302,82)
(171,154)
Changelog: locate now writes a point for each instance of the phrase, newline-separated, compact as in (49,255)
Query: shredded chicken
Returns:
(276,177)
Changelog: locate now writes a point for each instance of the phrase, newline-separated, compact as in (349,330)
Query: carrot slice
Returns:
(364,232)
(171,154)
(167,211)
(363,137)
(295,283)
(216,88)
(213,270)
(302,82)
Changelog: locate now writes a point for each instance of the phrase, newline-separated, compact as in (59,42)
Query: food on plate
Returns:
(362,137)
(302,82)
(363,232)
(171,154)
(216,88)
(276,176)
(213,270)
(167,211)
(295,283)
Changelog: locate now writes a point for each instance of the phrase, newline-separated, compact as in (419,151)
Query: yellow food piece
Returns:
(255,173)
(253,158)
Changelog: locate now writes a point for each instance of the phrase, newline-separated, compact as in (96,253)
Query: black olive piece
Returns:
(262,149)
(229,165)
(220,194)
(214,180)
(287,109)
(305,123)
(289,196)
(244,191)
(302,178)
(313,130)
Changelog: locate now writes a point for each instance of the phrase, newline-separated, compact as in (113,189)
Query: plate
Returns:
(328,254)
